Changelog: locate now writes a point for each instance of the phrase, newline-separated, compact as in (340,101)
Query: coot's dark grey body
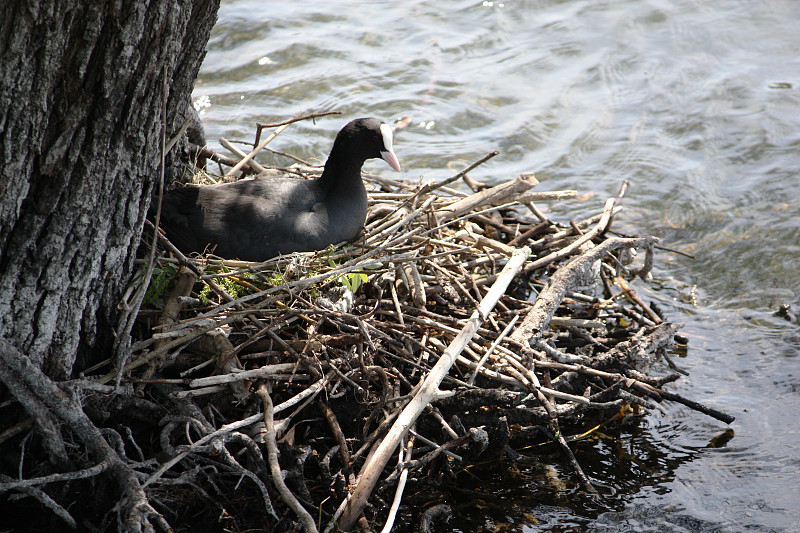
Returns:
(263,217)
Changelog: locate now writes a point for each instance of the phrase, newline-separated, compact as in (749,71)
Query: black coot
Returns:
(259,218)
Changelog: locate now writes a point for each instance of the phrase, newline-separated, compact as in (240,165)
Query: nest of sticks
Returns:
(320,385)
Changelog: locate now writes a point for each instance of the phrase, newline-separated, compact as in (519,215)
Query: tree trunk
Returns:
(81,88)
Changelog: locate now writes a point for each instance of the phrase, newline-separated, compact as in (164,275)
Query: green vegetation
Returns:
(160,283)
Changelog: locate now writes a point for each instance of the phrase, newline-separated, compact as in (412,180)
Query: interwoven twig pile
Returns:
(456,326)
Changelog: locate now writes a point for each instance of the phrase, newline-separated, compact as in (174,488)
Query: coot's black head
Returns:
(366,138)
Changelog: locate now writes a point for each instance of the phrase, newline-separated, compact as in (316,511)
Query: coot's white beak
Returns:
(390,158)
(388,154)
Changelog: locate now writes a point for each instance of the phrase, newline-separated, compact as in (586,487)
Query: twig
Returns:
(494,345)
(257,149)
(275,468)
(310,116)
(432,187)
(401,485)
(255,166)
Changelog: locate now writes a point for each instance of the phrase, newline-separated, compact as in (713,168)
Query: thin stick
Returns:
(297,119)
(428,188)
(486,355)
(275,468)
(401,485)
(257,149)
(241,155)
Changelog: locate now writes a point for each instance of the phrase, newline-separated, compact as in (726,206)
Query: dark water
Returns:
(696,103)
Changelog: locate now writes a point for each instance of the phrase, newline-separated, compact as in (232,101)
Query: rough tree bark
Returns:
(80,122)
(81,113)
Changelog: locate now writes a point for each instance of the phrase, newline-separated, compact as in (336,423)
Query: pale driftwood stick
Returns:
(528,378)
(196,393)
(545,196)
(381,233)
(558,355)
(635,297)
(275,469)
(538,318)
(483,241)
(576,322)
(552,240)
(389,196)
(537,213)
(401,485)
(241,155)
(520,239)
(257,149)
(263,372)
(513,380)
(493,195)
(379,225)
(410,274)
(396,302)
(438,448)
(426,393)
(438,416)
(465,217)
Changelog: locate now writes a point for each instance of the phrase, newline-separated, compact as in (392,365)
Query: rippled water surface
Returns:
(695,103)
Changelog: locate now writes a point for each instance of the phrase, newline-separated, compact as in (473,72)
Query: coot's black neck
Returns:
(342,169)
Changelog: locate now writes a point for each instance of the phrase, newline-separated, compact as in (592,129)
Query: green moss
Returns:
(230,284)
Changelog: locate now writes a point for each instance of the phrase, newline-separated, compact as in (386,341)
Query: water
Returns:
(696,103)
